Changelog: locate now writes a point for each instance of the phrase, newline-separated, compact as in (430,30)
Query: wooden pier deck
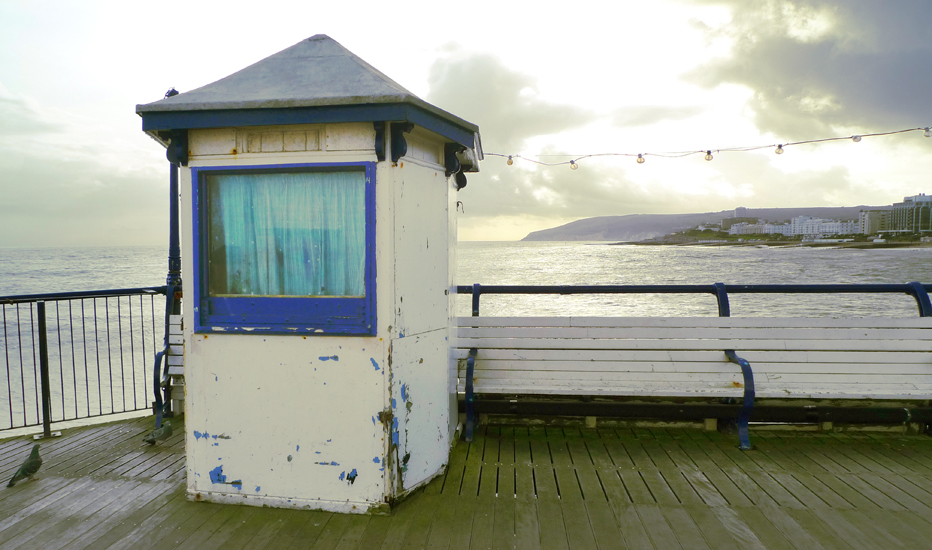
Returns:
(553,487)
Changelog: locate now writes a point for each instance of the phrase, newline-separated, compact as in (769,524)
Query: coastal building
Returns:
(913,215)
(808,226)
(873,221)
(728,222)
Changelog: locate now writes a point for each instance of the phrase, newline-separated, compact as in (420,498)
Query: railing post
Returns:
(922,298)
(44,374)
(476,293)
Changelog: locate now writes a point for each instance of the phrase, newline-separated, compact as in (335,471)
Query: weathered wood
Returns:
(797,358)
(870,494)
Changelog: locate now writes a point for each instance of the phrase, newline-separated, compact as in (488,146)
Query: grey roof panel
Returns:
(315,72)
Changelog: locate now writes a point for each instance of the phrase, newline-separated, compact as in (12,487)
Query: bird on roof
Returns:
(29,468)
(160,434)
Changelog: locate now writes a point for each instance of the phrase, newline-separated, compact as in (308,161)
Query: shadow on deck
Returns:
(101,487)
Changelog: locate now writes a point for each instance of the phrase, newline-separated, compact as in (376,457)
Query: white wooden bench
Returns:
(815,358)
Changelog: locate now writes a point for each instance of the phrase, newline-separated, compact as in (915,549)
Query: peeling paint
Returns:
(376,460)
(373,421)
(326,358)
(342,475)
(404,388)
(216,475)
(394,403)
(374,363)
(257,488)
(352,476)
(297,448)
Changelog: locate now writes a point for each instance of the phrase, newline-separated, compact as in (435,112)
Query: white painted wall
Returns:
(290,417)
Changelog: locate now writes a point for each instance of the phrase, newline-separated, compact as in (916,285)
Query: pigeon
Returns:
(29,467)
(160,434)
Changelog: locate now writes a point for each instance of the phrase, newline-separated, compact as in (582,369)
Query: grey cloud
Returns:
(18,117)
(651,114)
(870,69)
(51,201)
(503,102)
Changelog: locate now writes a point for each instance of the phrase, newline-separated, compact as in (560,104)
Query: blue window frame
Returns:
(286,248)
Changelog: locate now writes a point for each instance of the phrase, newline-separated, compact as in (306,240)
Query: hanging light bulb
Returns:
(640,159)
(708,155)
(779,150)
(855,138)
(928,132)
(573,165)
(509,162)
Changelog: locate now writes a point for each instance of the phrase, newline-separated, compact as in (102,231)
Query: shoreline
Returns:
(780,244)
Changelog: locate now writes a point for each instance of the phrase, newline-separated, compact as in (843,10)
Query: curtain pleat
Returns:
(299,234)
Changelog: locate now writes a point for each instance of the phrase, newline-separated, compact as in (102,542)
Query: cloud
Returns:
(20,116)
(56,201)
(651,114)
(816,65)
(65,185)
(504,103)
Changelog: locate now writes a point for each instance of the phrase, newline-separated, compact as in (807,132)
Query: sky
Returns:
(547,81)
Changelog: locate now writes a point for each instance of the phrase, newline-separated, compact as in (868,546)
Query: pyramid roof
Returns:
(316,80)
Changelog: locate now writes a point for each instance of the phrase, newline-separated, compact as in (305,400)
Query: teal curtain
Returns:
(296,234)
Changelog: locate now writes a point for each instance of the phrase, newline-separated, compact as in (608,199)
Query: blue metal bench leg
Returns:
(744,438)
(470,397)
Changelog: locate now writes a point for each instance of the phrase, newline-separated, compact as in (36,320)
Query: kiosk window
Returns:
(286,249)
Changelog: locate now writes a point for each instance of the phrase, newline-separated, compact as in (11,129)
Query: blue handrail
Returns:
(919,291)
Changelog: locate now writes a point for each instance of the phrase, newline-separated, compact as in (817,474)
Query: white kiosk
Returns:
(318,206)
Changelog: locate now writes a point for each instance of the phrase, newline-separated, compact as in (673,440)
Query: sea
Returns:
(109,373)
(42,270)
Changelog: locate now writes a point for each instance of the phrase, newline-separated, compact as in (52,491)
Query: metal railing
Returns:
(76,355)
(721,291)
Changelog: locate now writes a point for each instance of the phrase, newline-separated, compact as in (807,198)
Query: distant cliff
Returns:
(637,227)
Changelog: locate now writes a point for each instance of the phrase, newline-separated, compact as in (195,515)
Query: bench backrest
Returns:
(862,358)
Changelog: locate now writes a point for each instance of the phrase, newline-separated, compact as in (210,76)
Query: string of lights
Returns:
(778,148)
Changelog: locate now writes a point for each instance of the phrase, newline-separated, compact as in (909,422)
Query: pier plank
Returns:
(513,487)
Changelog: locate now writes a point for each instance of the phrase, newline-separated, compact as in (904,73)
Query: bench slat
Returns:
(735,344)
(611,355)
(710,333)
(911,369)
(736,322)
(655,389)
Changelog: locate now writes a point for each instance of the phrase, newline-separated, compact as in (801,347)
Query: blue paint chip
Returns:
(330,358)
(394,403)
(329,440)
(395,438)
(216,475)
(373,421)
(238,484)
(334,464)
(216,444)
(197,435)
(257,488)
(317,452)
(404,394)
(401,335)
(376,460)
(298,448)
(374,363)
(342,475)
